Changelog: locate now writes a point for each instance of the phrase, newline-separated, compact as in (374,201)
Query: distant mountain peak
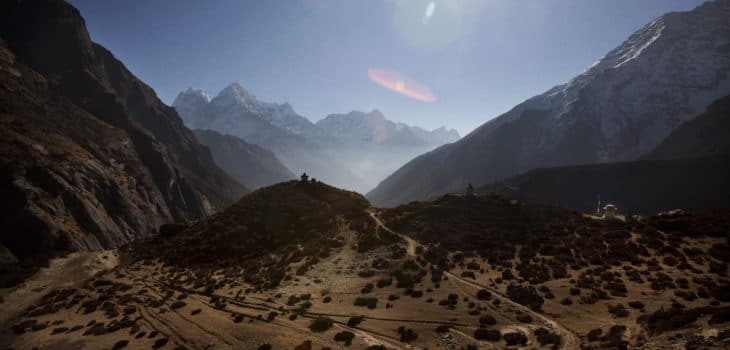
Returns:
(236,91)
(201,93)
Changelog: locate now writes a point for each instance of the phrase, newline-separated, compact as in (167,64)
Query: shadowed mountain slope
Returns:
(688,170)
(91,158)
(250,164)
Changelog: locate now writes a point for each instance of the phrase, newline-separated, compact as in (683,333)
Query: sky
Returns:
(420,62)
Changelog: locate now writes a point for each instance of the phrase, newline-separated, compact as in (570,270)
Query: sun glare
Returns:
(402,84)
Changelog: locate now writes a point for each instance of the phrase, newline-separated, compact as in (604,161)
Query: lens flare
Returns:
(430,8)
(401,84)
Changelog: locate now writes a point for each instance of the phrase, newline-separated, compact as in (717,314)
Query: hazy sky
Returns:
(469,60)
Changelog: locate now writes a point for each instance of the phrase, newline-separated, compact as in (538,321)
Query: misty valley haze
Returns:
(355,150)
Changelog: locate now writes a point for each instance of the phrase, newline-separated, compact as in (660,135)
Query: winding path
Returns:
(569,339)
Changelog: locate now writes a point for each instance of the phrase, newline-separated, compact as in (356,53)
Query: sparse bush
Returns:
(515,338)
(594,334)
(366,273)
(488,320)
(636,304)
(545,337)
(484,294)
(524,318)
(487,334)
(320,324)
(469,274)
(344,336)
(407,335)
(527,296)
(370,303)
(354,321)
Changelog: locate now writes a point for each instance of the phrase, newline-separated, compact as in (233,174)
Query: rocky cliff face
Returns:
(619,109)
(91,158)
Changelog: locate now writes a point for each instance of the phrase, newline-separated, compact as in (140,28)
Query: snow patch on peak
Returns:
(236,91)
(195,93)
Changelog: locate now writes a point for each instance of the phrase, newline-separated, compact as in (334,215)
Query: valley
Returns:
(595,215)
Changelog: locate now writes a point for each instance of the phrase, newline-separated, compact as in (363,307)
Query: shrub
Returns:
(468,274)
(594,334)
(384,282)
(618,310)
(515,338)
(524,318)
(487,320)
(636,305)
(526,296)
(354,321)
(370,303)
(366,273)
(545,337)
(443,328)
(320,324)
(487,334)
(344,336)
(407,335)
(484,294)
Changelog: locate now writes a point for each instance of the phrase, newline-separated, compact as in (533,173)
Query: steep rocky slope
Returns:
(250,164)
(90,156)
(619,109)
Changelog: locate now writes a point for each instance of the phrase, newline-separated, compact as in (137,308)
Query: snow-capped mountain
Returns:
(619,109)
(357,128)
(347,150)
(190,104)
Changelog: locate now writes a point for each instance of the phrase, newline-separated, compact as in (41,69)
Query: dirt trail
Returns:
(411,243)
(570,340)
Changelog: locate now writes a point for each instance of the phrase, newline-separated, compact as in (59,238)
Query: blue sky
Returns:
(479,58)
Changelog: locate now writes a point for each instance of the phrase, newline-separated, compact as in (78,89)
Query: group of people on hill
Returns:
(305,178)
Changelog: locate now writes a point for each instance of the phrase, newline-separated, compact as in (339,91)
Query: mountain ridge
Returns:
(347,150)
(618,110)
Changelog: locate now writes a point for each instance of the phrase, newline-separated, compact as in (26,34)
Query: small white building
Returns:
(609,211)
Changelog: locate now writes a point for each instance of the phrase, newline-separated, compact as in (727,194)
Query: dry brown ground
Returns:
(143,295)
